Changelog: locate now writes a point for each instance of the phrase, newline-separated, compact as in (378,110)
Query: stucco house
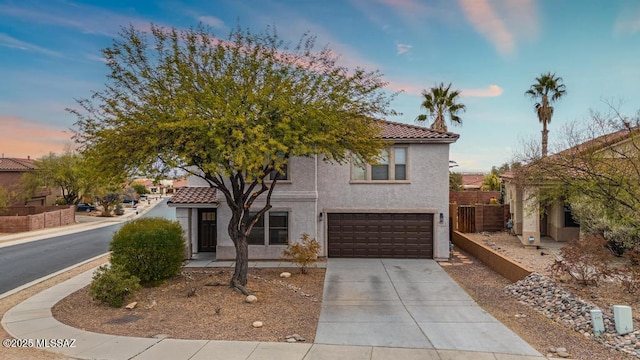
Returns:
(397,208)
(530,220)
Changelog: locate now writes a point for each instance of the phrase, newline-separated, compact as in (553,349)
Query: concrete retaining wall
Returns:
(494,260)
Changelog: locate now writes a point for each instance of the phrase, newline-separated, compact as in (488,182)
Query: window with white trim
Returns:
(391,166)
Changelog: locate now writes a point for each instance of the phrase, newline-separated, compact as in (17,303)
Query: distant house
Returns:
(472,181)
(395,209)
(11,172)
(530,221)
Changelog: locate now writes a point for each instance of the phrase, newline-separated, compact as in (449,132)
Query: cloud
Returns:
(407,88)
(212,21)
(11,42)
(22,137)
(628,22)
(491,91)
(402,48)
(87,19)
(502,24)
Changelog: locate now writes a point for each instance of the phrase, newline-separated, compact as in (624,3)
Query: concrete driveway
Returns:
(408,304)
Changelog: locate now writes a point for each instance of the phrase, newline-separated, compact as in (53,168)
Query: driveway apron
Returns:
(409,304)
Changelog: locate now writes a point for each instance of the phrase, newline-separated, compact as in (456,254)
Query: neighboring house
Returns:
(395,209)
(472,181)
(11,173)
(531,222)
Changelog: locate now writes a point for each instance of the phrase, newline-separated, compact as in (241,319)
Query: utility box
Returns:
(623,319)
(597,322)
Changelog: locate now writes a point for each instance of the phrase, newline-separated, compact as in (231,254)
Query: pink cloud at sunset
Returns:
(21,138)
(491,91)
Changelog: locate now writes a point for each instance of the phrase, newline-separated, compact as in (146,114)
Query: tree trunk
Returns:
(545,134)
(239,279)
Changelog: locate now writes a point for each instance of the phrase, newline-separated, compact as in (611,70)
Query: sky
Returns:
(492,51)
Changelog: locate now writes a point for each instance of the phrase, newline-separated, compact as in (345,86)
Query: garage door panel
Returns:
(385,235)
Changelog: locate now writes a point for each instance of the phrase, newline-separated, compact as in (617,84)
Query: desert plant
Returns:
(303,253)
(112,284)
(586,260)
(150,248)
(119,210)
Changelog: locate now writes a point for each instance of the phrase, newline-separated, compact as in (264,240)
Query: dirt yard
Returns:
(285,306)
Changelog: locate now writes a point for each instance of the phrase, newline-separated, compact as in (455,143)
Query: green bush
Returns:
(150,248)
(119,210)
(112,285)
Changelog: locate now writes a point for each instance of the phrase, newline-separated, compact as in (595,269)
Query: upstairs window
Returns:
(391,166)
(283,175)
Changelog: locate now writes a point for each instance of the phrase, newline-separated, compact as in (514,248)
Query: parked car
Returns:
(133,202)
(83,207)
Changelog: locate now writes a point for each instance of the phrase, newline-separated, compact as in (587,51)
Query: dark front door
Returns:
(376,235)
(207,230)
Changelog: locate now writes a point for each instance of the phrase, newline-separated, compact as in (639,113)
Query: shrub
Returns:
(119,210)
(303,253)
(150,248)
(112,285)
(586,260)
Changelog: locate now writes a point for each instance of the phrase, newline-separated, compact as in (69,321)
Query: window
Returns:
(276,226)
(256,237)
(380,171)
(284,175)
(391,166)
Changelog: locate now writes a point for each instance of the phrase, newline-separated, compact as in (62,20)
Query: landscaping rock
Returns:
(291,340)
(257,324)
(552,301)
(131,305)
(251,299)
(285,274)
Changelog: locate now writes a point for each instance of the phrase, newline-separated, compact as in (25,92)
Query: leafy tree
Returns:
(4,197)
(438,102)
(547,90)
(139,188)
(455,181)
(491,182)
(229,111)
(65,171)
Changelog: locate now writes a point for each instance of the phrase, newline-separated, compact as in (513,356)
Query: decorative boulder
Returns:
(285,275)
(257,324)
(251,299)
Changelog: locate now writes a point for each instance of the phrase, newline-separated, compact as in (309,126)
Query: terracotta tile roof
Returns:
(13,164)
(472,181)
(399,131)
(194,195)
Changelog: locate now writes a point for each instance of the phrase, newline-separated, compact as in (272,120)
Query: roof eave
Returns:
(421,141)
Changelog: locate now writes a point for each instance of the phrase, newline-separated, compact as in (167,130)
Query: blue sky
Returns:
(490,50)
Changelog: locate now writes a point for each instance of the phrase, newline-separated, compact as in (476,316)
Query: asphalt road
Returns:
(23,263)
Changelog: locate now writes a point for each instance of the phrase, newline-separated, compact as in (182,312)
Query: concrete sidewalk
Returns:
(32,319)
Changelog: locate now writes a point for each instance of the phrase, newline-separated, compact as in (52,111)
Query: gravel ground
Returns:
(488,289)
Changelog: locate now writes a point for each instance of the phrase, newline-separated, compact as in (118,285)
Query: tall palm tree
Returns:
(547,90)
(438,102)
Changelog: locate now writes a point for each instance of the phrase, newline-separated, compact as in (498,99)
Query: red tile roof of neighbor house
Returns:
(194,195)
(399,131)
(13,164)
(472,181)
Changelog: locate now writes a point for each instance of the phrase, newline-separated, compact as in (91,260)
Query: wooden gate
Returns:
(466,218)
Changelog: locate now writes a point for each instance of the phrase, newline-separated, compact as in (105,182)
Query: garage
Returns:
(380,235)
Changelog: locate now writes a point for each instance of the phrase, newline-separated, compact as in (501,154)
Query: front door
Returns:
(207,230)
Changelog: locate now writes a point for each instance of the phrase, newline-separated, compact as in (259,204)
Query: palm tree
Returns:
(547,90)
(439,101)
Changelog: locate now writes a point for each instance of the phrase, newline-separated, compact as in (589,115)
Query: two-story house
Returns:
(394,209)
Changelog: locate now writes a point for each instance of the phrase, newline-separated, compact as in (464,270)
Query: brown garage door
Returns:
(372,235)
